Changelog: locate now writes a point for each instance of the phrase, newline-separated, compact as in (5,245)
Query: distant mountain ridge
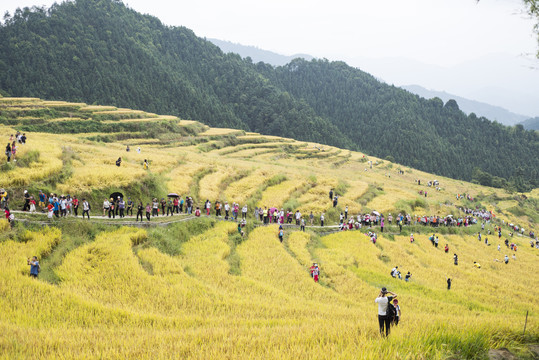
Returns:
(256,54)
(491,112)
(531,124)
(481,109)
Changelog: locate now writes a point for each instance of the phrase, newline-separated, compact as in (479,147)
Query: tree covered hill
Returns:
(100,51)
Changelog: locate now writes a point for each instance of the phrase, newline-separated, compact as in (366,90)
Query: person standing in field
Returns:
(311,218)
(145,164)
(218,208)
(163,205)
(176,206)
(75,206)
(281,234)
(121,206)
(227,210)
(170,207)
(8,152)
(244,212)
(407,277)
(111,209)
(85,208)
(397,311)
(149,209)
(384,320)
(130,205)
(34,266)
(302,226)
(382,224)
(32,204)
(42,200)
(322,217)
(155,207)
(316,273)
(106,206)
(140,209)
(14,150)
(449,283)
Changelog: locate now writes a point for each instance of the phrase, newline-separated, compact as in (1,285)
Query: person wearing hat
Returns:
(383,301)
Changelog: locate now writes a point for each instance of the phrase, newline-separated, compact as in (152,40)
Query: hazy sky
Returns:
(440,32)
(436,32)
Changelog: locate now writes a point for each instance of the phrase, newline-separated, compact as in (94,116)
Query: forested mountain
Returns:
(100,51)
(422,133)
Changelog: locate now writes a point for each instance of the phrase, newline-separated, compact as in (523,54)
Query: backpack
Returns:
(391,312)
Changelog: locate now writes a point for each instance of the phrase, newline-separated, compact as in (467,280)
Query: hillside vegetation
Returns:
(103,52)
(198,289)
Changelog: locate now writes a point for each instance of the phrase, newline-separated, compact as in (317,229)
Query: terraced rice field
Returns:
(199,289)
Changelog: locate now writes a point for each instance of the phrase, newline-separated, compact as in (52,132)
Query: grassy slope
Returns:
(197,289)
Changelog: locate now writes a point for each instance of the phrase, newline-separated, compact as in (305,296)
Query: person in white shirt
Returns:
(85,208)
(383,319)
(106,206)
(244,212)
(227,210)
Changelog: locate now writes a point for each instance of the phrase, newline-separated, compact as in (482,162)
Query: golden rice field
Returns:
(240,191)
(121,293)
(111,296)
(275,196)
(316,198)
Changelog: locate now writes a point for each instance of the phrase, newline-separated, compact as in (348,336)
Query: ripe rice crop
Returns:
(275,196)
(110,292)
(209,184)
(386,202)
(316,198)
(240,191)
(181,177)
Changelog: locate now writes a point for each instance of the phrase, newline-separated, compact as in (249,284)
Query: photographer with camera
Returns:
(34,266)
(384,316)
